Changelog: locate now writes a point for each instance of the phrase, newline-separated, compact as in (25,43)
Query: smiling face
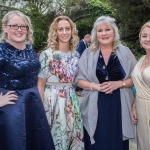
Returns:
(15,36)
(145,38)
(64,31)
(105,34)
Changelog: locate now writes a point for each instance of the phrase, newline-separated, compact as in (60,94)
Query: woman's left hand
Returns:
(110,86)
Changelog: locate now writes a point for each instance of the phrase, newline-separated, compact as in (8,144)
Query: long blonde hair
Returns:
(52,35)
(104,20)
(27,20)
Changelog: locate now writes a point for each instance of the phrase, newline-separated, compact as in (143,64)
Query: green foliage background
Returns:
(95,8)
(130,15)
(40,27)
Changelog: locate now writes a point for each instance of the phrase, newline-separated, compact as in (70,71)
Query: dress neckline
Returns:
(12,47)
(145,68)
(101,56)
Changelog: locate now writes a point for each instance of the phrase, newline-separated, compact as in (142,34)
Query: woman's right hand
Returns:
(134,115)
(6,99)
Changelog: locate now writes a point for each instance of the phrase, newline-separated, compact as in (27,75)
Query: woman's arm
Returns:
(110,86)
(41,86)
(128,83)
(86,85)
(7,98)
(107,87)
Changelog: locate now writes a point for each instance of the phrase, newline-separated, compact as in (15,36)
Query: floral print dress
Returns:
(60,101)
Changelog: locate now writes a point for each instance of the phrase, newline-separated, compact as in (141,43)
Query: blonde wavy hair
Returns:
(27,20)
(147,24)
(108,21)
(52,35)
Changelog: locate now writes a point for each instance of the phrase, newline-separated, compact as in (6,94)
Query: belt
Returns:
(59,83)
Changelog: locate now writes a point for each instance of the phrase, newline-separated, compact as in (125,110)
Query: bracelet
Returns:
(91,86)
(123,84)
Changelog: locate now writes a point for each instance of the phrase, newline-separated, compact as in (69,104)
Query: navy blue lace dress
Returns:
(108,134)
(23,126)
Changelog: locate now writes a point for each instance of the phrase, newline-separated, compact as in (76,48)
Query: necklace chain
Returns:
(146,63)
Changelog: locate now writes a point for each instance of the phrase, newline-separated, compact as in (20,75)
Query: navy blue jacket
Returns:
(81,47)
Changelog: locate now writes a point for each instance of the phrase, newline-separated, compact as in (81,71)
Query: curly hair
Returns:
(52,35)
(27,20)
(108,21)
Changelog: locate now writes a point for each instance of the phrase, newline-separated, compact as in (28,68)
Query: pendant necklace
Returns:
(146,63)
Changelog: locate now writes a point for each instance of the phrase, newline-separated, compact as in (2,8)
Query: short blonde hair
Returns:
(147,24)
(104,20)
(52,35)
(27,20)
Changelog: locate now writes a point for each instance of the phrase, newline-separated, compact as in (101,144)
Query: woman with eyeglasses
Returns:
(23,125)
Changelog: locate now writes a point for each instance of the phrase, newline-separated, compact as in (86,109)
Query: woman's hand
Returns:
(134,115)
(97,87)
(41,87)
(6,99)
(110,86)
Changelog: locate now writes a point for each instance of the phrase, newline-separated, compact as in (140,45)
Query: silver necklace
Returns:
(146,63)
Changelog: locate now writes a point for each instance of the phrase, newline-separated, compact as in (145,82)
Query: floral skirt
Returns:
(64,117)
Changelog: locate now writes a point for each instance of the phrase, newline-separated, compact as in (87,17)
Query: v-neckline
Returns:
(141,72)
(108,58)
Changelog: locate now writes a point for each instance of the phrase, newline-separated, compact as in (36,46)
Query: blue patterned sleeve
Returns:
(2,59)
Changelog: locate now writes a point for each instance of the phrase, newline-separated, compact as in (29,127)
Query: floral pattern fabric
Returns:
(60,101)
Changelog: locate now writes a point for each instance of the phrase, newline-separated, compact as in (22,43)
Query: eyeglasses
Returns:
(16,27)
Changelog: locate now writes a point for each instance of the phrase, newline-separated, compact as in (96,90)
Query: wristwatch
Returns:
(123,84)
